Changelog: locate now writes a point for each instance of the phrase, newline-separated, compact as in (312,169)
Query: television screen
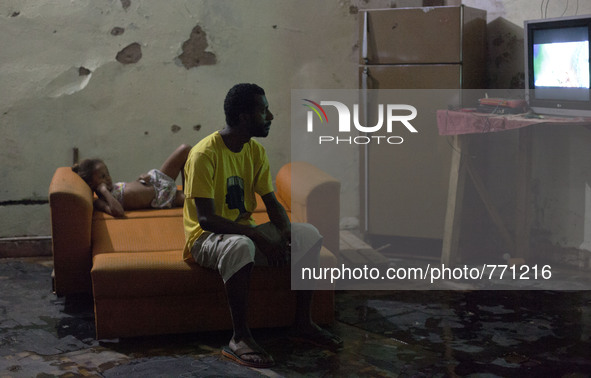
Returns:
(564,64)
(557,67)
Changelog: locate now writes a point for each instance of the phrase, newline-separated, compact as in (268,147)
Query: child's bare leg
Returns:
(179,199)
(175,163)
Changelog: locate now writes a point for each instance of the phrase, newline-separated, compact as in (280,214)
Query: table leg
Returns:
(455,195)
(523,194)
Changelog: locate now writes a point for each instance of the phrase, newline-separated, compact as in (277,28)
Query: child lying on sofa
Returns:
(155,189)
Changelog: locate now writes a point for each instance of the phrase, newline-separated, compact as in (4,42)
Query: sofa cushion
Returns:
(164,273)
(152,274)
(139,231)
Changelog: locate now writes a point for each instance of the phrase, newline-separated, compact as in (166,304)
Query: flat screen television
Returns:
(557,69)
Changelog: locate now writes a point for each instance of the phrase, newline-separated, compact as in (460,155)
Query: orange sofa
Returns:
(134,269)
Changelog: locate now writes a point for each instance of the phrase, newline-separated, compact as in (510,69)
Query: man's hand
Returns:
(276,246)
(286,237)
(279,219)
(275,249)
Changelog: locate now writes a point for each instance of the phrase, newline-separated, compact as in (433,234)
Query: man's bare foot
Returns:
(248,353)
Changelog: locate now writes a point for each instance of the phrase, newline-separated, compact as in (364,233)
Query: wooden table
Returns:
(460,125)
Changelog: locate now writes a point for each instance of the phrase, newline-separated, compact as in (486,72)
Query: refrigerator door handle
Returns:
(364,42)
(365,151)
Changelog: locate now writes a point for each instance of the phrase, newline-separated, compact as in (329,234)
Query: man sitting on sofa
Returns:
(222,174)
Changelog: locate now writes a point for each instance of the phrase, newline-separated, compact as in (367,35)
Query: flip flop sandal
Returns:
(237,356)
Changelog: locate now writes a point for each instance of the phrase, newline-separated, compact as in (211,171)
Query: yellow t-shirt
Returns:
(231,179)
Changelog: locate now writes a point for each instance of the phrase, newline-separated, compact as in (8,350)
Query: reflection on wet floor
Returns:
(386,333)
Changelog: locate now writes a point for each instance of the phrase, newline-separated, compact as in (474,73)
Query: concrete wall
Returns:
(112,79)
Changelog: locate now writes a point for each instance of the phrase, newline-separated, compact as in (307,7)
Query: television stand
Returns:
(460,125)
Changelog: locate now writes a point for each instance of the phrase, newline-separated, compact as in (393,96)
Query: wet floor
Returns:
(500,333)
(406,333)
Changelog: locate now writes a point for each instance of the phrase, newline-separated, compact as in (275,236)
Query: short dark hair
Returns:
(85,169)
(240,99)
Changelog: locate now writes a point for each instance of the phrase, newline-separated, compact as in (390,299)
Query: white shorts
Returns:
(164,188)
(228,253)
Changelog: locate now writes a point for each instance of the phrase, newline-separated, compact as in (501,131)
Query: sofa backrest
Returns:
(313,196)
(140,231)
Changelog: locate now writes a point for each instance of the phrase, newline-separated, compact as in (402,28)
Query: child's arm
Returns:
(107,203)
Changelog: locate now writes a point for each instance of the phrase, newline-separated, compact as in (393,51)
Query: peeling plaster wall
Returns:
(109,77)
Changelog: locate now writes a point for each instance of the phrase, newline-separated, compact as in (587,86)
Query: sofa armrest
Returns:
(71,207)
(313,196)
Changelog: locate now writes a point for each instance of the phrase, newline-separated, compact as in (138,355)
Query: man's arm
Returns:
(278,216)
(212,222)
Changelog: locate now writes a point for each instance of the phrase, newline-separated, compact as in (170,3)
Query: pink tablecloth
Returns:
(455,122)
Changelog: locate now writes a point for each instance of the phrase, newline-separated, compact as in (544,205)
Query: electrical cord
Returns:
(544,8)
